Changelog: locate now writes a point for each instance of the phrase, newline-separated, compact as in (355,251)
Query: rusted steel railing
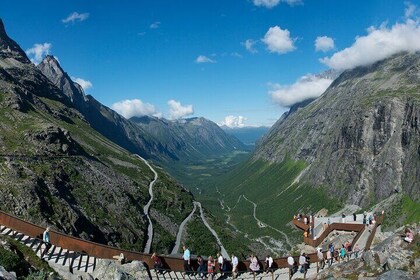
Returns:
(378,222)
(170,262)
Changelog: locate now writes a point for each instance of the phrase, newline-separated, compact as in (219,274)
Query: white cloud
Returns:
(378,44)
(135,108)
(85,84)
(410,10)
(324,43)
(272,3)
(204,59)
(266,3)
(249,45)
(177,111)
(233,121)
(75,16)
(155,25)
(236,54)
(38,52)
(278,40)
(308,86)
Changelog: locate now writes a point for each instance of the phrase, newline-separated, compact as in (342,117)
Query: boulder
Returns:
(396,275)
(4,275)
(110,270)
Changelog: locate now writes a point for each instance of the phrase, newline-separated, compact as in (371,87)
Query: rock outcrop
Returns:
(110,270)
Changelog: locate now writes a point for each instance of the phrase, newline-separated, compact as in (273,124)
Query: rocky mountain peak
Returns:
(51,68)
(9,48)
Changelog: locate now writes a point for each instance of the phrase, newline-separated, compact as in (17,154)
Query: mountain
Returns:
(358,143)
(248,135)
(57,169)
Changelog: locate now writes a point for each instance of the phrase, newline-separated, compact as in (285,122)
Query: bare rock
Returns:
(110,270)
(7,275)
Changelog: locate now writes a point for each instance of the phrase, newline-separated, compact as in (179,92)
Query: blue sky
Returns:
(216,58)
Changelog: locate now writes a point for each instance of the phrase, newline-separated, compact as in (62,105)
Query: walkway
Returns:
(147,207)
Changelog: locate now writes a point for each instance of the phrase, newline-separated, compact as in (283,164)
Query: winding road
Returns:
(147,207)
(181,230)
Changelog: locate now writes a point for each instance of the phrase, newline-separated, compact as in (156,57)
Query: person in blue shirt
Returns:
(46,240)
(187,259)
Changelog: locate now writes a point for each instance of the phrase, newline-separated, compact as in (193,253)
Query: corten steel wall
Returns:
(173,263)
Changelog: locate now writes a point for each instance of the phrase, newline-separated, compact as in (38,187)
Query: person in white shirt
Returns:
(46,240)
(269,264)
(235,263)
(220,262)
(302,263)
(291,263)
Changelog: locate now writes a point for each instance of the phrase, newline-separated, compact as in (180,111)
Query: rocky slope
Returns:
(56,169)
(361,138)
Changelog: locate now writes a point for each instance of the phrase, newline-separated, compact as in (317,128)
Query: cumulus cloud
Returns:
(249,45)
(272,3)
(135,108)
(38,52)
(278,40)
(204,59)
(233,121)
(177,111)
(75,16)
(85,84)
(266,3)
(378,44)
(324,43)
(410,10)
(308,86)
(155,25)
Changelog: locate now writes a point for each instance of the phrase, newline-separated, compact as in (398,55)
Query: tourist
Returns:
(187,259)
(356,250)
(343,218)
(235,263)
(409,236)
(210,268)
(348,249)
(332,251)
(220,263)
(254,266)
(329,221)
(302,263)
(157,263)
(268,264)
(291,263)
(320,258)
(342,253)
(201,270)
(310,219)
(329,258)
(305,220)
(354,217)
(46,240)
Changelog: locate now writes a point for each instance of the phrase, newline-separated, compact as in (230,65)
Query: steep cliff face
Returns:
(361,138)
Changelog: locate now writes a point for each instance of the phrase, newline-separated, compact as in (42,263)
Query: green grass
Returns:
(200,240)
(404,211)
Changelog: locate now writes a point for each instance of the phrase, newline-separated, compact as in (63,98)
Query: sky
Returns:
(235,62)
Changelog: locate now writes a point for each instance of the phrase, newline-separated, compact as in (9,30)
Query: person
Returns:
(348,249)
(302,263)
(157,263)
(329,258)
(343,218)
(342,253)
(305,220)
(220,263)
(320,258)
(268,264)
(291,263)
(187,259)
(332,251)
(119,258)
(408,236)
(46,240)
(364,218)
(210,268)
(235,263)
(354,217)
(329,221)
(201,267)
(356,250)
(254,266)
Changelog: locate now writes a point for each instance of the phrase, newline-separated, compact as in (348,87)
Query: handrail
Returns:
(378,222)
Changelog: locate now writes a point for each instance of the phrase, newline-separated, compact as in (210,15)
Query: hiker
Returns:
(329,258)
(46,240)
(187,259)
(320,258)
(364,218)
(354,217)
(157,263)
(201,270)
(220,263)
(254,266)
(268,264)
(343,218)
(235,263)
(356,250)
(210,268)
(332,251)
(291,263)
